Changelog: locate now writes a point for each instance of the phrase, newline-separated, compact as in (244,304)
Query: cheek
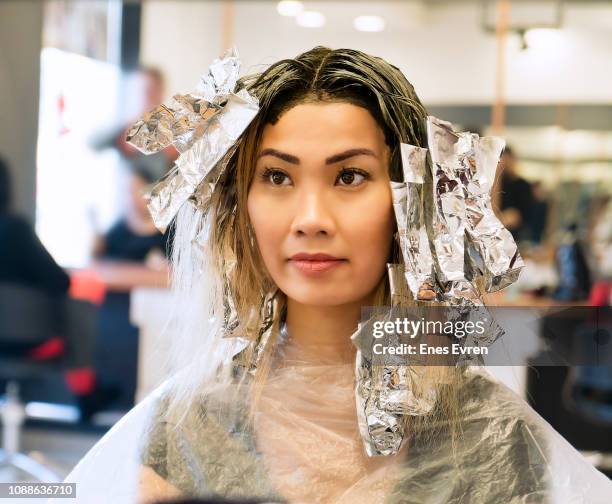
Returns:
(372,233)
(267,227)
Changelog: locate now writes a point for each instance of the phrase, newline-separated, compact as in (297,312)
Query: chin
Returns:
(318,295)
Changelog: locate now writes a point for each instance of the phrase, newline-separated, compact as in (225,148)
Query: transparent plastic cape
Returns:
(304,446)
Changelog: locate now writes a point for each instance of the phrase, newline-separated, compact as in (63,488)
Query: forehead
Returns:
(325,127)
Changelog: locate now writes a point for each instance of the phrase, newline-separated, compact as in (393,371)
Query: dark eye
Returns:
(274,177)
(348,175)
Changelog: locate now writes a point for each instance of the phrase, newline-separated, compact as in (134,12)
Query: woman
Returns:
(26,261)
(131,254)
(291,232)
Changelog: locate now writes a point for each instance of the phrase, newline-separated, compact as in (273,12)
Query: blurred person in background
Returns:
(517,199)
(131,254)
(24,259)
(134,237)
(539,213)
(153,89)
(572,266)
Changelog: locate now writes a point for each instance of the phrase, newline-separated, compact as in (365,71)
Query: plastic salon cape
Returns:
(507,453)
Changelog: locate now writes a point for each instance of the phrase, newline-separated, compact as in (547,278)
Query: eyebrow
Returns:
(336,158)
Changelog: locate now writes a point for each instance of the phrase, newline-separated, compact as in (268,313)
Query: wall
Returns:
(182,38)
(441,48)
(20,44)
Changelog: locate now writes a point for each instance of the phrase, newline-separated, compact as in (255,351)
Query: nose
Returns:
(312,216)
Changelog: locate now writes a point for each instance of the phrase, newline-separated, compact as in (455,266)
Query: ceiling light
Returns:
(543,38)
(369,23)
(289,7)
(310,19)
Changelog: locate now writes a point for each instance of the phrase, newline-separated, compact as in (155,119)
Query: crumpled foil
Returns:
(463,222)
(268,326)
(447,225)
(497,258)
(462,174)
(202,126)
(383,431)
(409,215)
(451,242)
(386,396)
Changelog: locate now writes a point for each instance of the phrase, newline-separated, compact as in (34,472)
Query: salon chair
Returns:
(28,318)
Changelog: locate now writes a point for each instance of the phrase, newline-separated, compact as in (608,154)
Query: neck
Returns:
(321,334)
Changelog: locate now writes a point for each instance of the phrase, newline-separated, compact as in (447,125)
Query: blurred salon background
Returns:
(83,272)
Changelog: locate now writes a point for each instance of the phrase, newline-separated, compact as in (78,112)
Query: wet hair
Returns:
(342,75)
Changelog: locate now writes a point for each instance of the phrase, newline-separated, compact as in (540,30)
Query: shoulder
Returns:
(485,400)
(186,441)
(214,401)
(119,228)
(202,445)
(505,440)
(490,454)
(166,446)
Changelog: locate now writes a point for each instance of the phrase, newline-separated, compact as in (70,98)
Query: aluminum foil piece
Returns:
(182,120)
(201,197)
(463,167)
(445,210)
(385,430)
(382,432)
(469,241)
(461,292)
(269,313)
(203,126)
(270,307)
(397,383)
(497,258)
(398,396)
(408,199)
(447,226)
(385,397)
(178,122)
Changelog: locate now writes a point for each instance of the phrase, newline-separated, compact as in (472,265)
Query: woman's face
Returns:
(321,186)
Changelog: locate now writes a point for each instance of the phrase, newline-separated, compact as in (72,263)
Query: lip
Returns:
(303,256)
(315,264)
